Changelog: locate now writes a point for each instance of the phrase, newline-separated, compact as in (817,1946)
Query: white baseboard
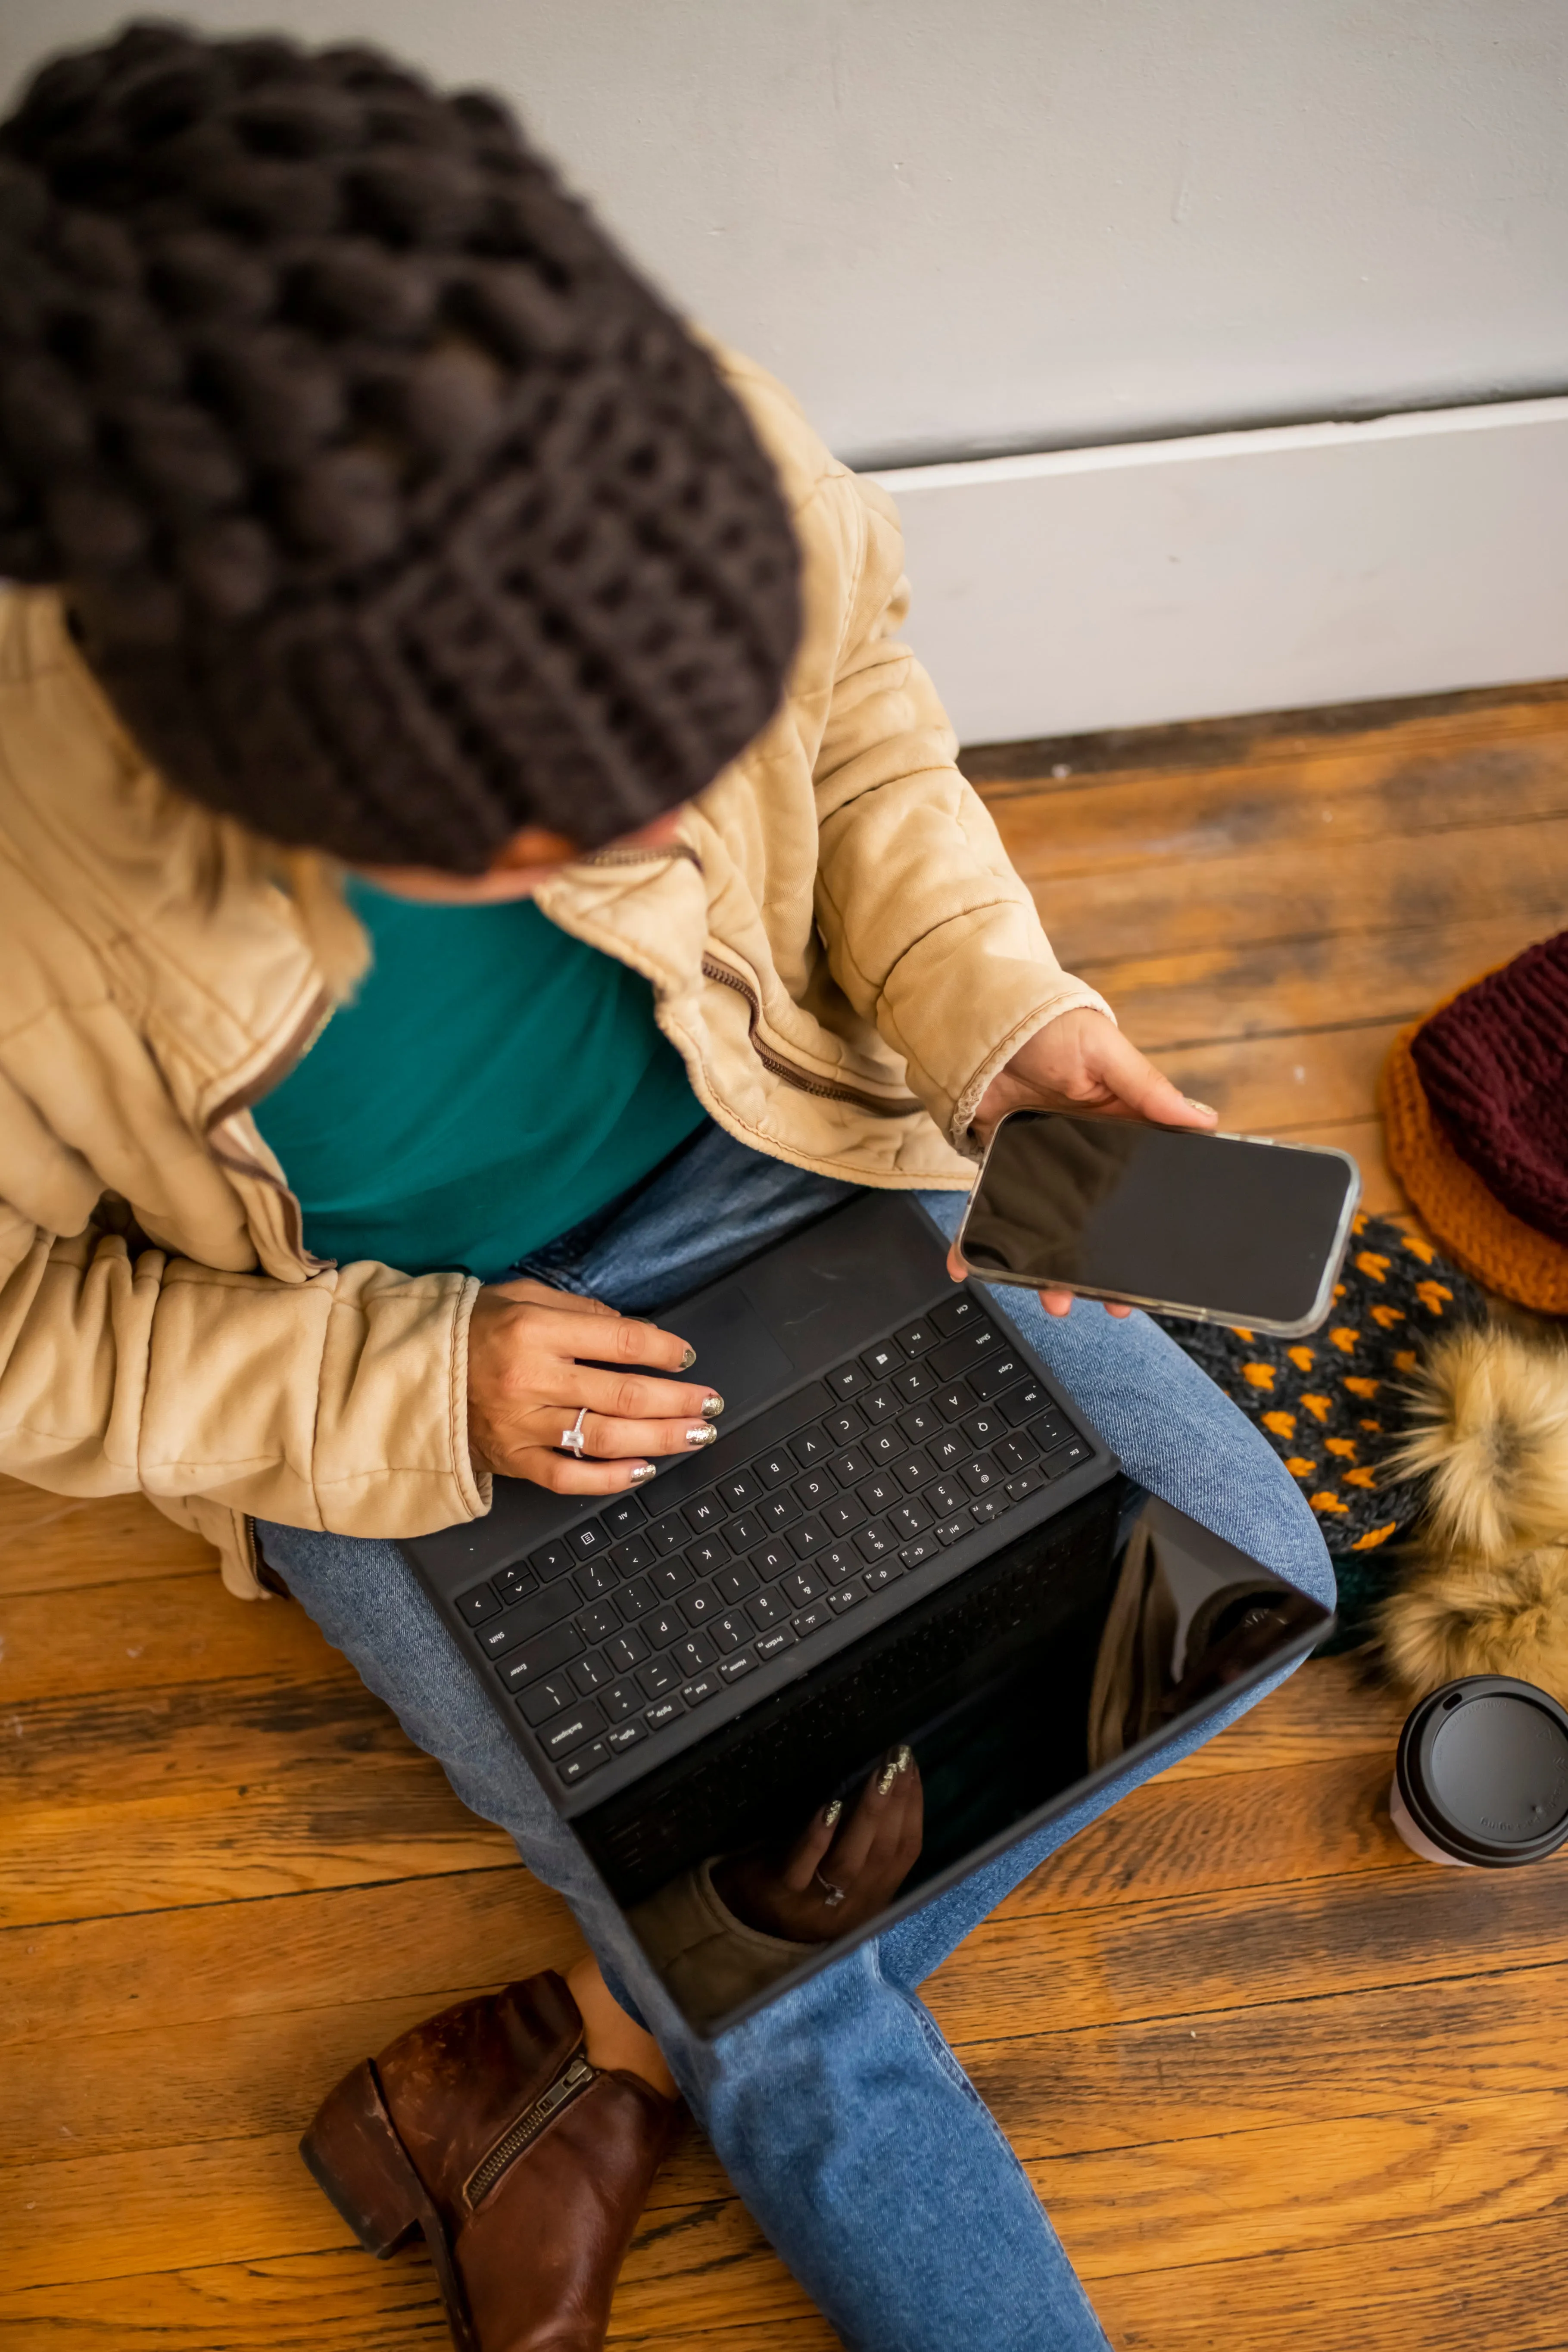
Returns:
(1236,571)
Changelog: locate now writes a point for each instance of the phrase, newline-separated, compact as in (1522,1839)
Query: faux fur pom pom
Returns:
(1487,1588)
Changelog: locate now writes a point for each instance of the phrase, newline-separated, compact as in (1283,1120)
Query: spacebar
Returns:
(768,1428)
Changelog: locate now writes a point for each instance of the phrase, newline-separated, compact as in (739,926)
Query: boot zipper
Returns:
(519,2136)
(829,1090)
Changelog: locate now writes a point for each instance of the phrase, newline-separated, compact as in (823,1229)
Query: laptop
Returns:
(906,1534)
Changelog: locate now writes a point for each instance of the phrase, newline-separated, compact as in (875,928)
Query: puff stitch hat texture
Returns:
(393,510)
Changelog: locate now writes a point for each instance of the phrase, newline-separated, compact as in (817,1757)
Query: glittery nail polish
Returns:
(688,1359)
(831,1810)
(643,1470)
(703,1434)
(712,1406)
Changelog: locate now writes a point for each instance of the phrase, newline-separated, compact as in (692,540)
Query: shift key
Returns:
(541,1657)
(502,1634)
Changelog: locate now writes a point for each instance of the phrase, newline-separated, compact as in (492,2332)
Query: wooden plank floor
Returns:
(1279,2083)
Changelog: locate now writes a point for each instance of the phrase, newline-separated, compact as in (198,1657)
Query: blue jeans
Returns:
(839,2112)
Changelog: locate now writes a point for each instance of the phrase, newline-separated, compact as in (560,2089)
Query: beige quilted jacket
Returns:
(837,946)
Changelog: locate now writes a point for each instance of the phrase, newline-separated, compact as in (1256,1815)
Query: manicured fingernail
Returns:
(899,1761)
(831,1810)
(703,1434)
(688,1359)
(1208,1109)
(643,1470)
(712,1406)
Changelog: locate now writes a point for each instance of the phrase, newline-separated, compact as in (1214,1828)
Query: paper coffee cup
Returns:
(1481,1776)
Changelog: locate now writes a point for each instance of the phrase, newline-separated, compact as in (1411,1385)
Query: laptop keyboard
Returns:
(637,1616)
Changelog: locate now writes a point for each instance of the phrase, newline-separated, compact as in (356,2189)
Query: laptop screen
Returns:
(943,1739)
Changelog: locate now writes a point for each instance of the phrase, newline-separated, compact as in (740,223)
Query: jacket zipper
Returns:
(808,1081)
(519,2136)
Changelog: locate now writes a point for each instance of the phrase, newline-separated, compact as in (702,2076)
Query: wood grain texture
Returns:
(1280,2084)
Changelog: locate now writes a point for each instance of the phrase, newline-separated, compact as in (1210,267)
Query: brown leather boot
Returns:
(525,2167)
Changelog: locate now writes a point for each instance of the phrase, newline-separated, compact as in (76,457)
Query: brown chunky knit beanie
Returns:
(395,511)
(1494,1066)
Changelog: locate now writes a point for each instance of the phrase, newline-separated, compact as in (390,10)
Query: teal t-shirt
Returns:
(493,1083)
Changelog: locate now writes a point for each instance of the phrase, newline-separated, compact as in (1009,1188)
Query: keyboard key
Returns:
(811,1621)
(947,1496)
(739,1662)
(848,1422)
(479,1604)
(598,1623)
(910,1518)
(670,1577)
(984,1427)
(884,1358)
(925,1547)
(706,1685)
(662,1626)
(541,1656)
(880,1491)
(850,1466)
(915,1380)
(950,1530)
(632,1599)
(702,1512)
(771,1559)
(950,1449)
(916,1338)
(953,1402)
(915,1470)
(778,1512)
(848,1380)
(764,1608)
(881,1404)
(921,1422)
(625,1735)
(874,1542)
(698,1607)
(845,1512)
(883,1573)
(990,1380)
(587,1759)
(670,1534)
(597,1576)
(664,1710)
(695,1653)
(730,1631)
(742,1533)
(956,1357)
(1066,1457)
(590,1674)
(811,1536)
(624,1515)
(813,1445)
(781,1638)
(845,1596)
(990,1506)
(842,1562)
(1028,1482)
(775,1469)
(954,1314)
(551,1559)
(885,1445)
(586,1542)
(1017,1451)
(739,1490)
(1024,1402)
(520,1625)
(571,1729)
(703,1558)
(817,1487)
(515,1581)
(635,1553)
(981,1475)
(657,1677)
(620,1700)
(547,1697)
(803,1584)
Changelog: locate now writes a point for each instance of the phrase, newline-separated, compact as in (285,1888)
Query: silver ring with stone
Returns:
(832,1895)
(572,1440)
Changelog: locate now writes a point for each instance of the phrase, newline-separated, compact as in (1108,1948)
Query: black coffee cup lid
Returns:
(1483,1770)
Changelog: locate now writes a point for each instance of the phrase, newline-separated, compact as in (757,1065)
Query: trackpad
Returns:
(735,1349)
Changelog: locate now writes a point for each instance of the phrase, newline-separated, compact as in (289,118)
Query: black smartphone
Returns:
(1225,1228)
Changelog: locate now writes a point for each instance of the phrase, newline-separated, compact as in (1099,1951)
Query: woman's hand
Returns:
(526,1384)
(1083,1062)
(865,1851)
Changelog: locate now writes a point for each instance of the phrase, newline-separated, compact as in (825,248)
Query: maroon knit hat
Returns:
(1493,1065)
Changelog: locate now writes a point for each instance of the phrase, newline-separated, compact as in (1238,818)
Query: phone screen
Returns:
(1245,1232)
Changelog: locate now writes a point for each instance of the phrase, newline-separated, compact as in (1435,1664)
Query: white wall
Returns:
(961,226)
